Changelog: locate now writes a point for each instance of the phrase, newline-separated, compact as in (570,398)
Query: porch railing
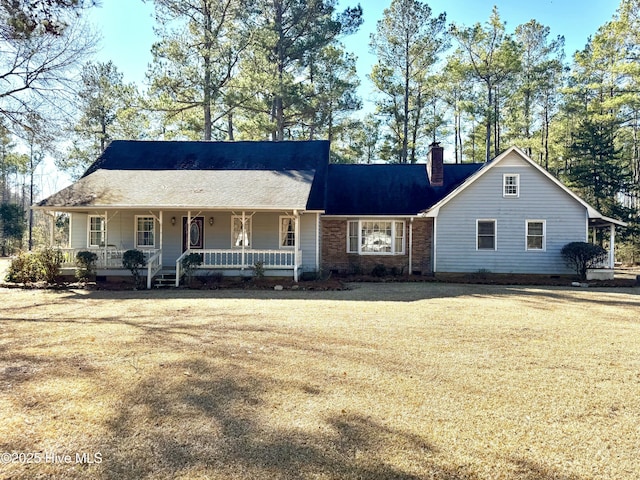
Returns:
(238,259)
(154,265)
(107,257)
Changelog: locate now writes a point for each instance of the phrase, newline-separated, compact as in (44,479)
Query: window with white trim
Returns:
(536,233)
(287,232)
(511,185)
(375,237)
(145,231)
(486,235)
(240,234)
(97,231)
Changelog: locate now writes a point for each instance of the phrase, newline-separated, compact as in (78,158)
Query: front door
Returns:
(197,233)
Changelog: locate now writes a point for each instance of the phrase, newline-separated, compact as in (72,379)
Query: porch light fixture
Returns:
(210,220)
(173,220)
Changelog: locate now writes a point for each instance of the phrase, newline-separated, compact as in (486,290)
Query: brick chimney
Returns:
(434,164)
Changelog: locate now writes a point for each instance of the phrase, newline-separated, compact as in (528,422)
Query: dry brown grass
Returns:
(384,381)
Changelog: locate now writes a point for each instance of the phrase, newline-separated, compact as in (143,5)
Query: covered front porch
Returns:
(279,243)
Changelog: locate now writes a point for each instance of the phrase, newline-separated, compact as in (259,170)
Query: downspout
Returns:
(434,246)
(411,246)
(317,242)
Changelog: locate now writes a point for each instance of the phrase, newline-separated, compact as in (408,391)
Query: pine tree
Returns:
(494,58)
(407,43)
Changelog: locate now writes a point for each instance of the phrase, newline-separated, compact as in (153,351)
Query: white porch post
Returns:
(296,242)
(161,222)
(612,245)
(52,231)
(188,227)
(106,234)
(243,233)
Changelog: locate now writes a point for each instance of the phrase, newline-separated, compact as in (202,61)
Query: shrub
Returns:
(582,255)
(258,269)
(134,261)
(379,270)
(86,262)
(50,262)
(23,269)
(355,269)
(189,263)
(36,267)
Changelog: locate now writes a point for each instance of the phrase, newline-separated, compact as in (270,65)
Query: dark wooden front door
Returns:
(197,233)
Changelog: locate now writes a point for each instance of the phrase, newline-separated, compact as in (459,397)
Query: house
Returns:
(236,203)
(281,204)
(505,216)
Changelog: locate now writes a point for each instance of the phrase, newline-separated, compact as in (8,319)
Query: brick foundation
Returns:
(335,256)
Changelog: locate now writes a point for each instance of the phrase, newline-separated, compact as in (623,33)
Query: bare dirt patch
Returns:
(406,381)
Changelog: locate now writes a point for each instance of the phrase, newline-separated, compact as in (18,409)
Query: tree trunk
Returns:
(405,120)
(103,135)
(278,101)
(416,126)
(496,123)
(230,126)
(546,138)
(207,72)
(488,133)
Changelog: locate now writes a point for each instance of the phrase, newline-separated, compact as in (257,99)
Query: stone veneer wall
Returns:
(335,256)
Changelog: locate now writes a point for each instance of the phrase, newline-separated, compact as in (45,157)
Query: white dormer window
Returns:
(511,185)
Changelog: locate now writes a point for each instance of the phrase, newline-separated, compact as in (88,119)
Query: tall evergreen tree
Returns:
(537,85)
(596,169)
(407,44)
(196,60)
(332,92)
(109,109)
(290,37)
(494,57)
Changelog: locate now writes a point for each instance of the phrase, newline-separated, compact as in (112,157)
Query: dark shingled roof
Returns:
(398,189)
(295,175)
(163,155)
(232,174)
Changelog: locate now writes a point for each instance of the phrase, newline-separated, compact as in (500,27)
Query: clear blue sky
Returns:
(127,26)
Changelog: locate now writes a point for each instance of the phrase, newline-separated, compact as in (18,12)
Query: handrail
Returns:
(179,265)
(153,266)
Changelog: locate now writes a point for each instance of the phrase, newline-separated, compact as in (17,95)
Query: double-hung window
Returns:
(376,237)
(486,235)
(511,185)
(145,232)
(240,233)
(287,232)
(97,231)
(536,232)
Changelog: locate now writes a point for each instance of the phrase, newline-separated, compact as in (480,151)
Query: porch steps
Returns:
(164,280)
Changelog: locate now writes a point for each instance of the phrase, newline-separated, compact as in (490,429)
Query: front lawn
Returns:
(384,381)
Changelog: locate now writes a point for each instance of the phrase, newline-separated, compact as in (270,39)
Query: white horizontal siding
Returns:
(539,199)
(265,232)
(308,232)
(78,233)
